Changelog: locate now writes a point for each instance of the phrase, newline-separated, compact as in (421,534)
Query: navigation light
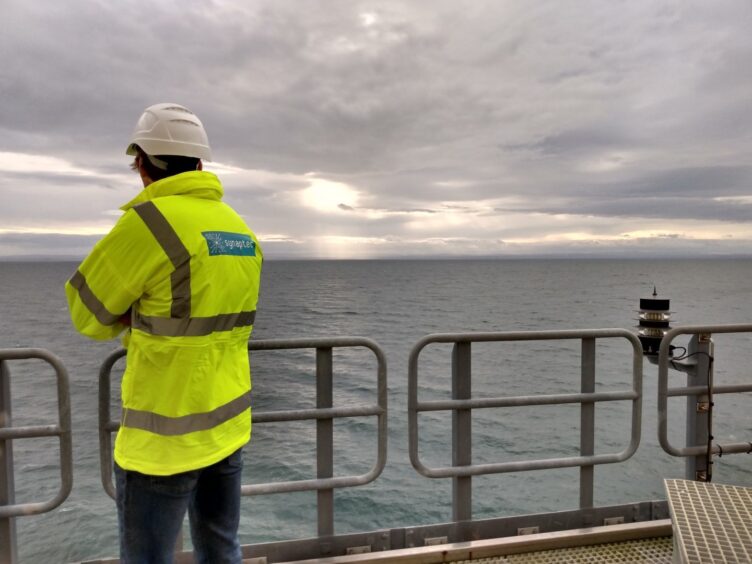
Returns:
(655,319)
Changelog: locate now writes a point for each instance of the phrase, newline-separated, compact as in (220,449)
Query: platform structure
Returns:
(630,543)
(711,522)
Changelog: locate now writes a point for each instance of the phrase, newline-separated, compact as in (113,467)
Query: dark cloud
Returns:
(653,208)
(604,137)
(61,180)
(696,181)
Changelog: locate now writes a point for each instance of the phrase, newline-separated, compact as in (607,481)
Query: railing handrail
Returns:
(462,469)
(62,430)
(415,406)
(379,410)
(664,392)
(323,414)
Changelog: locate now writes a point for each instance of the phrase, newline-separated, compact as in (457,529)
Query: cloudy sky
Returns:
(364,129)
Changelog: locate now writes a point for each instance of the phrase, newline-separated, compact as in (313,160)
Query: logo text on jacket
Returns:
(225,243)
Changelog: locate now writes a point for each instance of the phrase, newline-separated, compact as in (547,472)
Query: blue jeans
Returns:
(151,511)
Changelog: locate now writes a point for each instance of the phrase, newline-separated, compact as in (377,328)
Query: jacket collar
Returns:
(198,184)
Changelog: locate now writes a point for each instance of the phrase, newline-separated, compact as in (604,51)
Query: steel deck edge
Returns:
(504,546)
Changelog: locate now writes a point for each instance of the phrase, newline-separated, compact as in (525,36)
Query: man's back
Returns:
(188,358)
(180,274)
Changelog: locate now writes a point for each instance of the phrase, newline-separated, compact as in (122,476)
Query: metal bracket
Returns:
(409,538)
(359,549)
(703,407)
(433,541)
(528,531)
(613,521)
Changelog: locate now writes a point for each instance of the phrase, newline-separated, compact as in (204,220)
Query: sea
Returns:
(396,303)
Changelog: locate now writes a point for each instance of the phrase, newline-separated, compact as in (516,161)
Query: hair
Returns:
(172,164)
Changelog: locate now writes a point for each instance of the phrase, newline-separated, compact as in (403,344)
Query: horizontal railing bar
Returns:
(314,413)
(35,508)
(709,329)
(520,336)
(278,344)
(30,354)
(30,432)
(524,465)
(307,485)
(700,390)
(520,401)
(733,448)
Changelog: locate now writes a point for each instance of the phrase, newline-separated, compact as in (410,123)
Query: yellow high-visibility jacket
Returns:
(188,269)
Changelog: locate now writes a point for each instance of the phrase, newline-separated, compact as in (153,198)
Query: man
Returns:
(180,274)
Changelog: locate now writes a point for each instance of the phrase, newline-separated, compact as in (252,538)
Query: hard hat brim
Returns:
(158,147)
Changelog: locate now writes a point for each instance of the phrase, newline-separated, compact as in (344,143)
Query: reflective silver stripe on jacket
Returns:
(192,326)
(163,425)
(180,323)
(177,253)
(91,301)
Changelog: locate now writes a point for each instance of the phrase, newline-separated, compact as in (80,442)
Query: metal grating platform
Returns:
(711,522)
(644,551)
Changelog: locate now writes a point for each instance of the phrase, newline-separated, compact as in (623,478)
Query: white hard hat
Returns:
(170,129)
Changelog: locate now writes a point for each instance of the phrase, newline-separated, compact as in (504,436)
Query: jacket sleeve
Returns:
(107,282)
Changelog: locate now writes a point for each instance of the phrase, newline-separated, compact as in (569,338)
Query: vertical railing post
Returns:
(587,421)
(698,407)
(462,498)
(324,440)
(8,547)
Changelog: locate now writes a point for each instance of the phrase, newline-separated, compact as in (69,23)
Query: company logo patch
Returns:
(224,243)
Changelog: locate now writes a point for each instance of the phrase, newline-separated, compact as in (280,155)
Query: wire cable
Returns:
(709,455)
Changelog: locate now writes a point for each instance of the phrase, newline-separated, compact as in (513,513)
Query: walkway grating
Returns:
(711,522)
(643,551)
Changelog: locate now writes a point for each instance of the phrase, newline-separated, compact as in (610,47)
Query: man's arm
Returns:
(102,290)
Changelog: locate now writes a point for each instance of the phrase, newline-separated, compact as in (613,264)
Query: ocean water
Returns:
(396,303)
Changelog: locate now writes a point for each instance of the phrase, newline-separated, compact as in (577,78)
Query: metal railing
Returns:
(699,391)
(8,508)
(324,414)
(462,404)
